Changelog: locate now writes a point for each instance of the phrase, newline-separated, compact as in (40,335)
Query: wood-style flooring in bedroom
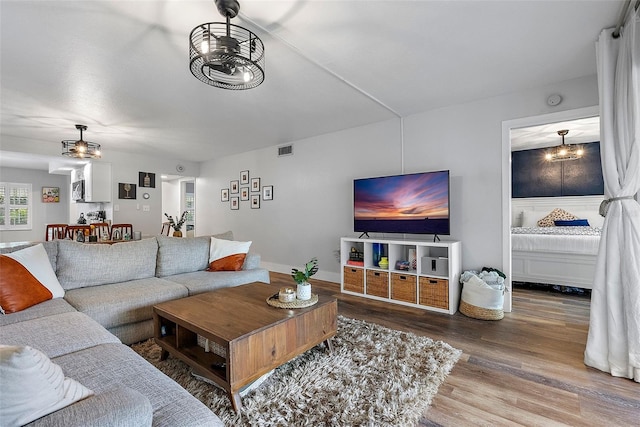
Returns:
(526,369)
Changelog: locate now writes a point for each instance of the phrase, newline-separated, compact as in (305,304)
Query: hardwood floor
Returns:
(526,369)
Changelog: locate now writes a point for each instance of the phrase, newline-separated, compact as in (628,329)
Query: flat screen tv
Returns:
(413,204)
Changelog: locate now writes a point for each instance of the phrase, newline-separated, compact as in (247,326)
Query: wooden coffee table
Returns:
(255,336)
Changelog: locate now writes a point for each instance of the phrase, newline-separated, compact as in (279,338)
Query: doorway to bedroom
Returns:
(558,257)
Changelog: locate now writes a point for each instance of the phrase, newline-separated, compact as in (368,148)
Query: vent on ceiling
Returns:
(285,150)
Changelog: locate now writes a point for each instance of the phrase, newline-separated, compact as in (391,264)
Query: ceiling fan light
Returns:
(246,76)
(80,148)
(205,43)
(236,62)
(563,152)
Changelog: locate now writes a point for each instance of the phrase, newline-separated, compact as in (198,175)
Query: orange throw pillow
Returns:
(18,288)
(27,279)
(227,255)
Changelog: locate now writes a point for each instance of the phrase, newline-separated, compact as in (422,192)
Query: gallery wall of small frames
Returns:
(248,189)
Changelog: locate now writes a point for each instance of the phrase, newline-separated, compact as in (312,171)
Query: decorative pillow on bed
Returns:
(593,216)
(33,386)
(27,279)
(571,223)
(556,214)
(227,255)
(530,218)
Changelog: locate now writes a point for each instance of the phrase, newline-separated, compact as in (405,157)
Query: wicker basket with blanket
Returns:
(482,295)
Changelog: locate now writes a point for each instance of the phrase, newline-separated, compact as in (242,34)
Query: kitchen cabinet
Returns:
(96,178)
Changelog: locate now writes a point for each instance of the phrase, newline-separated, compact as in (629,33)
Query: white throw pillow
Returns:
(227,255)
(530,218)
(33,386)
(594,218)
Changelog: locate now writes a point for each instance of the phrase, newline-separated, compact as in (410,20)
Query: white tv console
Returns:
(431,283)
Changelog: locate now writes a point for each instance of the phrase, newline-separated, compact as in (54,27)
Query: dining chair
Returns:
(55,231)
(102,230)
(166,228)
(119,230)
(73,230)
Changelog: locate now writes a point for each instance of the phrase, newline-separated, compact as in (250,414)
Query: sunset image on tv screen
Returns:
(422,199)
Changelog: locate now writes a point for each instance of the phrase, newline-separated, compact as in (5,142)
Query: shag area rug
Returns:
(375,376)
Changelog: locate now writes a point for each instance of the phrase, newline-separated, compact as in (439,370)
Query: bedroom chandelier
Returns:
(81,149)
(225,55)
(562,152)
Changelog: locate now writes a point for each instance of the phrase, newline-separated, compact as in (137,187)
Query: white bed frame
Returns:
(566,269)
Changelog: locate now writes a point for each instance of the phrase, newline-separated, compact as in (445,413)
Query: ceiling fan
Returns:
(226,55)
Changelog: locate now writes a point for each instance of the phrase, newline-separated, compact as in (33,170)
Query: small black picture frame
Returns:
(126,191)
(224,195)
(244,193)
(244,177)
(267,192)
(255,201)
(234,187)
(146,179)
(235,203)
(255,185)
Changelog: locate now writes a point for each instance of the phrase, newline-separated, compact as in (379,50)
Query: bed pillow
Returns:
(530,218)
(227,255)
(571,223)
(594,217)
(27,279)
(33,386)
(556,214)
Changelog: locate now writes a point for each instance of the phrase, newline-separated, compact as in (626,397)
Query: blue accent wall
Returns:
(533,176)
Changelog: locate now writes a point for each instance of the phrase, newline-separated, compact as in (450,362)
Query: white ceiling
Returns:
(581,131)
(121,67)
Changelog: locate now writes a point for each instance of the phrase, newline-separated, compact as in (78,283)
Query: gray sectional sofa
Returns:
(109,294)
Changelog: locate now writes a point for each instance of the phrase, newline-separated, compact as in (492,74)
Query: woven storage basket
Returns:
(480,312)
(479,299)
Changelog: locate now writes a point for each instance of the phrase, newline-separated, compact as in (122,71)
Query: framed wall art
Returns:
(267,192)
(255,201)
(255,185)
(224,195)
(126,191)
(146,179)
(244,177)
(235,203)
(50,194)
(234,187)
(244,193)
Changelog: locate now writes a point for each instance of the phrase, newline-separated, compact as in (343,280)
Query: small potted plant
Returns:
(302,278)
(177,225)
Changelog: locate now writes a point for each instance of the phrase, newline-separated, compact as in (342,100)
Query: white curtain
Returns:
(613,344)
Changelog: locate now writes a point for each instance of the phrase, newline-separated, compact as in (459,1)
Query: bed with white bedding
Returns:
(563,256)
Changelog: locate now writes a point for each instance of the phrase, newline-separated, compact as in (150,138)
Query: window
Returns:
(15,206)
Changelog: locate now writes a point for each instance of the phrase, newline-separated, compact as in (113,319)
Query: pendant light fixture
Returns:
(562,152)
(225,55)
(81,149)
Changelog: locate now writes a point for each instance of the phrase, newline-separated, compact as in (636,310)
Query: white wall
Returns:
(170,198)
(125,170)
(42,213)
(312,206)
(312,202)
